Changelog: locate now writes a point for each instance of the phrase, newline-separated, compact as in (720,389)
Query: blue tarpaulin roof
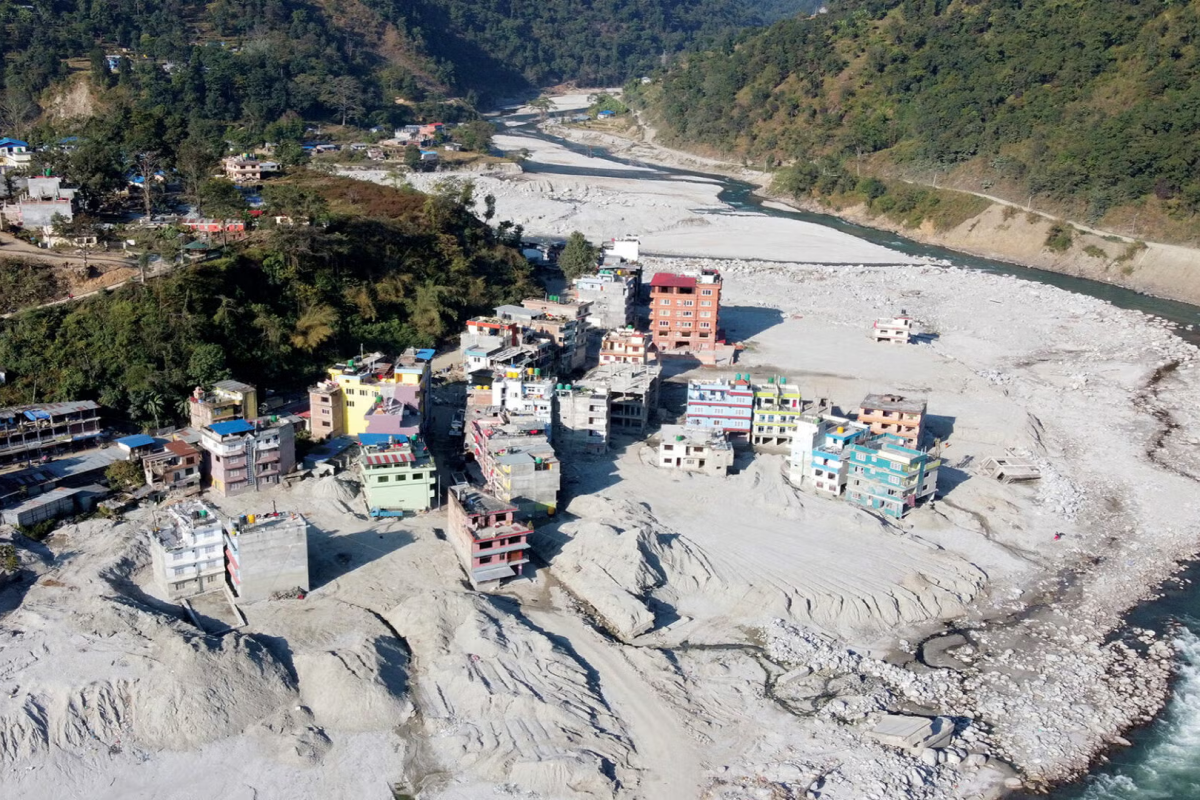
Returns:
(137,440)
(232,426)
(426,354)
(36,414)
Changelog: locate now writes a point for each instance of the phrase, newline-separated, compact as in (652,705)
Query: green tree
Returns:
(476,135)
(578,257)
(412,158)
(207,365)
(125,476)
(220,199)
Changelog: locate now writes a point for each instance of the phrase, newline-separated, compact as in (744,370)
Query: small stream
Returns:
(1164,761)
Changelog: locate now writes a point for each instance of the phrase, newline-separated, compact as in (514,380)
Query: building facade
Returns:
(398,476)
(777,408)
(891,413)
(897,330)
(516,459)
(354,388)
(583,418)
(176,468)
(612,293)
(492,543)
(186,551)
(266,554)
(723,405)
(633,394)
(818,455)
(30,432)
(226,400)
(248,455)
(685,311)
(627,346)
(889,477)
(702,450)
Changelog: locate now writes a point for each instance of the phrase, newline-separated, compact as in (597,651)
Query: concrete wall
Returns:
(271,557)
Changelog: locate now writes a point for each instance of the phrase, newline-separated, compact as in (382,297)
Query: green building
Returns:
(398,474)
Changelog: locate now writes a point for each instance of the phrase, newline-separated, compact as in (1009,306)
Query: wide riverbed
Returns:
(1164,762)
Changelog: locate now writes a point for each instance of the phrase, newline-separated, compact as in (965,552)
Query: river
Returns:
(1164,761)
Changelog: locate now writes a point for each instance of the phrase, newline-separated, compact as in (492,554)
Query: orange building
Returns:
(685,310)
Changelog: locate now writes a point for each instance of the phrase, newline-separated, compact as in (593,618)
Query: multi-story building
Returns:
(889,477)
(225,401)
(685,311)
(627,346)
(897,330)
(266,554)
(246,169)
(725,405)
(248,455)
(632,393)
(175,468)
(358,393)
(398,476)
(891,413)
(566,323)
(327,410)
(517,461)
(612,293)
(583,417)
(703,450)
(185,551)
(492,543)
(818,456)
(396,414)
(30,432)
(777,409)
(524,392)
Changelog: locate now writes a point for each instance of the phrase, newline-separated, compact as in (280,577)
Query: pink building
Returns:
(492,544)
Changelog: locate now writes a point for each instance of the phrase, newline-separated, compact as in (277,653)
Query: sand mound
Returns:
(616,555)
(351,668)
(503,703)
(332,487)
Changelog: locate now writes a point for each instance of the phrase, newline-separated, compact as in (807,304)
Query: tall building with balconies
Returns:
(30,432)
(247,455)
(777,409)
(226,400)
(818,456)
(186,551)
(627,346)
(685,311)
(889,477)
(725,405)
(492,543)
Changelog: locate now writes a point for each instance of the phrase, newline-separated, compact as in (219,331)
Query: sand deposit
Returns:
(691,637)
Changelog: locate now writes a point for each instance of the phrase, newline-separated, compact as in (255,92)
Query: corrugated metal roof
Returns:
(400,457)
(671,280)
(137,440)
(230,427)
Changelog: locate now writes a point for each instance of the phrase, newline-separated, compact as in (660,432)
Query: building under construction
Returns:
(633,394)
(583,417)
(517,461)
(266,555)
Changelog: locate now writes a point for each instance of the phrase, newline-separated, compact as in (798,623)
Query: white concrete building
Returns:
(897,330)
(268,553)
(817,457)
(695,450)
(186,551)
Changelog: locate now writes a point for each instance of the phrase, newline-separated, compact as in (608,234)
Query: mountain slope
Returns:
(1090,108)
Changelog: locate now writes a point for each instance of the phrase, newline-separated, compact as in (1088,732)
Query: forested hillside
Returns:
(387,269)
(1088,106)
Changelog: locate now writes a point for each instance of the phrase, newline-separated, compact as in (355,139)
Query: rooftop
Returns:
(231,427)
(667,279)
(893,402)
(47,410)
(135,441)
(698,437)
(233,386)
(477,502)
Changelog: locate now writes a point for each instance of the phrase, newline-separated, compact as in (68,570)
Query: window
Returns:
(705,314)
(486,545)
(485,559)
(179,571)
(706,292)
(706,303)
(662,323)
(401,477)
(666,301)
(705,324)
(418,476)
(382,479)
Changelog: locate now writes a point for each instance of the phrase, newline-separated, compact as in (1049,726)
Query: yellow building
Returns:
(359,381)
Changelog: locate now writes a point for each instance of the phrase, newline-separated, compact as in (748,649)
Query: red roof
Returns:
(672,280)
(390,458)
(182,449)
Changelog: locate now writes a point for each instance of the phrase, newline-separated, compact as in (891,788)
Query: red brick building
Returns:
(685,310)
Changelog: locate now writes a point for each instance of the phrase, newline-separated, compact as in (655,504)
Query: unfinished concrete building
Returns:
(516,459)
(185,551)
(897,330)
(267,554)
(633,394)
(583,418)
(703,450)
(175,469)
(612,293)
(492,543)
(226,400)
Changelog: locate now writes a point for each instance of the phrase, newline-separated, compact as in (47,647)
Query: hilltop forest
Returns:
(379,268)
(1087,107)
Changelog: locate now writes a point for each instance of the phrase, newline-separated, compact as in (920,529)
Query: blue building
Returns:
(887,476)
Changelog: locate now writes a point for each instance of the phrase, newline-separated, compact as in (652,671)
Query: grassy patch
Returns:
(24,285)
(1059,237)
(1095,252)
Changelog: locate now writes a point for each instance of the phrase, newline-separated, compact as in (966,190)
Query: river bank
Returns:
(1002,231)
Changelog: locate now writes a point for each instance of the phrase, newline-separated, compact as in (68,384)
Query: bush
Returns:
(124,476)
(8,558)
(38,531)
(1059,237)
